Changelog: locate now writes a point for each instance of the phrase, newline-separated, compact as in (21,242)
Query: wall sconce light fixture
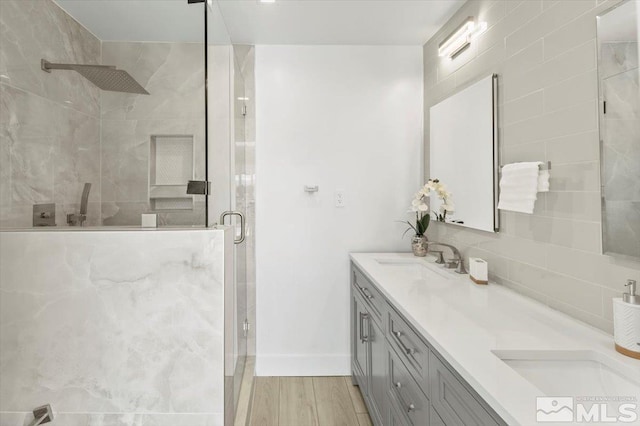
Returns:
(459,40)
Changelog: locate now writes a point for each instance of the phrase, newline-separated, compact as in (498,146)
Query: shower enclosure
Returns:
(115,109)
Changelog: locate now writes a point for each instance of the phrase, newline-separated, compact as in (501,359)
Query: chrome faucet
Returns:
(457,262)
(74,219)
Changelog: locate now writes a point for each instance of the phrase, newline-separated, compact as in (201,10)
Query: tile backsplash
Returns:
(546,57)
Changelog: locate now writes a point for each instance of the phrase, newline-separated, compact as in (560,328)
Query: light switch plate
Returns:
(341,200)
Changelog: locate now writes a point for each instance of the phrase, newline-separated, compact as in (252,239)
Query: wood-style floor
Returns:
(307,401)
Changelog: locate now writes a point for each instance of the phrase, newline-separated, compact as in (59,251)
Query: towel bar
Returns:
(541,167)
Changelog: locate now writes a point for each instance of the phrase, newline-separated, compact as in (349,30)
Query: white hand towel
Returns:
(519,187)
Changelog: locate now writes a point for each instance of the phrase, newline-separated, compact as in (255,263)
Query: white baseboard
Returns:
(303,365)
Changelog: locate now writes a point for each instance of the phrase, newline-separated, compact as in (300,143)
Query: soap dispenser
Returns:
(626,322)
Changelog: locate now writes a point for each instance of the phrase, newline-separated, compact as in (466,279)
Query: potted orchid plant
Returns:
(447,205)
(419,207)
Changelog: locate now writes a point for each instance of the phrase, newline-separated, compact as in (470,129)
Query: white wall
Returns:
(340,117)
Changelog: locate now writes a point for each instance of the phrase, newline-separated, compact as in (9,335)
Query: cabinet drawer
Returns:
(370,294)
(453,401)
(394,416)
(410,348)
(405,393)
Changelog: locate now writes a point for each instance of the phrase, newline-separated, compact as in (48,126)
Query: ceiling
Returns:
(364,22)
(139,20)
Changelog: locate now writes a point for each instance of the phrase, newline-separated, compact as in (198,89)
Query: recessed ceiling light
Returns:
(267,1)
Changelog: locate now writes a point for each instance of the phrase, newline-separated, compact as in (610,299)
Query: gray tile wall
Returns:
(49,123)
(545,54)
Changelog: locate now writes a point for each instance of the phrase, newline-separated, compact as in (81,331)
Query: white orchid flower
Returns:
(423,207)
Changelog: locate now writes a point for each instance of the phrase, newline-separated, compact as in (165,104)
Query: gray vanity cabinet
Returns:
(404,381)
(378,373)
(368,347)
(436,420)
(453,399)
(359,344)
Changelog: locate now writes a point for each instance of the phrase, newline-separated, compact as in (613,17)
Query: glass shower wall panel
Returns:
(60,131)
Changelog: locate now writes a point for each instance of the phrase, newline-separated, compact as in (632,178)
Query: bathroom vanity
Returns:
(404,380)
(430,347)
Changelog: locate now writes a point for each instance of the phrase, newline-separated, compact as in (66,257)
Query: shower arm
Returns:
(105,77)
(48,66)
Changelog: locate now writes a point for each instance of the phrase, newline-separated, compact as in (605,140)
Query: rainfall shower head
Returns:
(106,77)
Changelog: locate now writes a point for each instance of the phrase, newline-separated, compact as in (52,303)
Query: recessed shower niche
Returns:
(171,166)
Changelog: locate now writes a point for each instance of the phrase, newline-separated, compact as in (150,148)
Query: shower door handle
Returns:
(235,213)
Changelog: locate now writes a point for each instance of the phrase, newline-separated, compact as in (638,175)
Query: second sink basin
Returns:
(573,373)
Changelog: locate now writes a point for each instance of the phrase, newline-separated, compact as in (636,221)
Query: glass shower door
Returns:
(239,147)
(226,170)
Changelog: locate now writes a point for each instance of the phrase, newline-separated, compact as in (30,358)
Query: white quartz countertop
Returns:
(465,322)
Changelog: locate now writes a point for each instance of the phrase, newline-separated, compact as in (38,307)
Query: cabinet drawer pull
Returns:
(405,349)
(366,293)
(410,408)
(363,316)
(398,385)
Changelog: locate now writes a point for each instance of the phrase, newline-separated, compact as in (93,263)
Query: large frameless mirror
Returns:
(619,107)
(463,154)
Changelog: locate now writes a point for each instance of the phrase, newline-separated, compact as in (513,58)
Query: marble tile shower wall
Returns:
(174,75)
(49,123)
(114,328)
(545,54)
(58,131)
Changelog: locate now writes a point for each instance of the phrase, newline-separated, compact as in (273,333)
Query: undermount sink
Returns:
(415,269)
(573,373)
